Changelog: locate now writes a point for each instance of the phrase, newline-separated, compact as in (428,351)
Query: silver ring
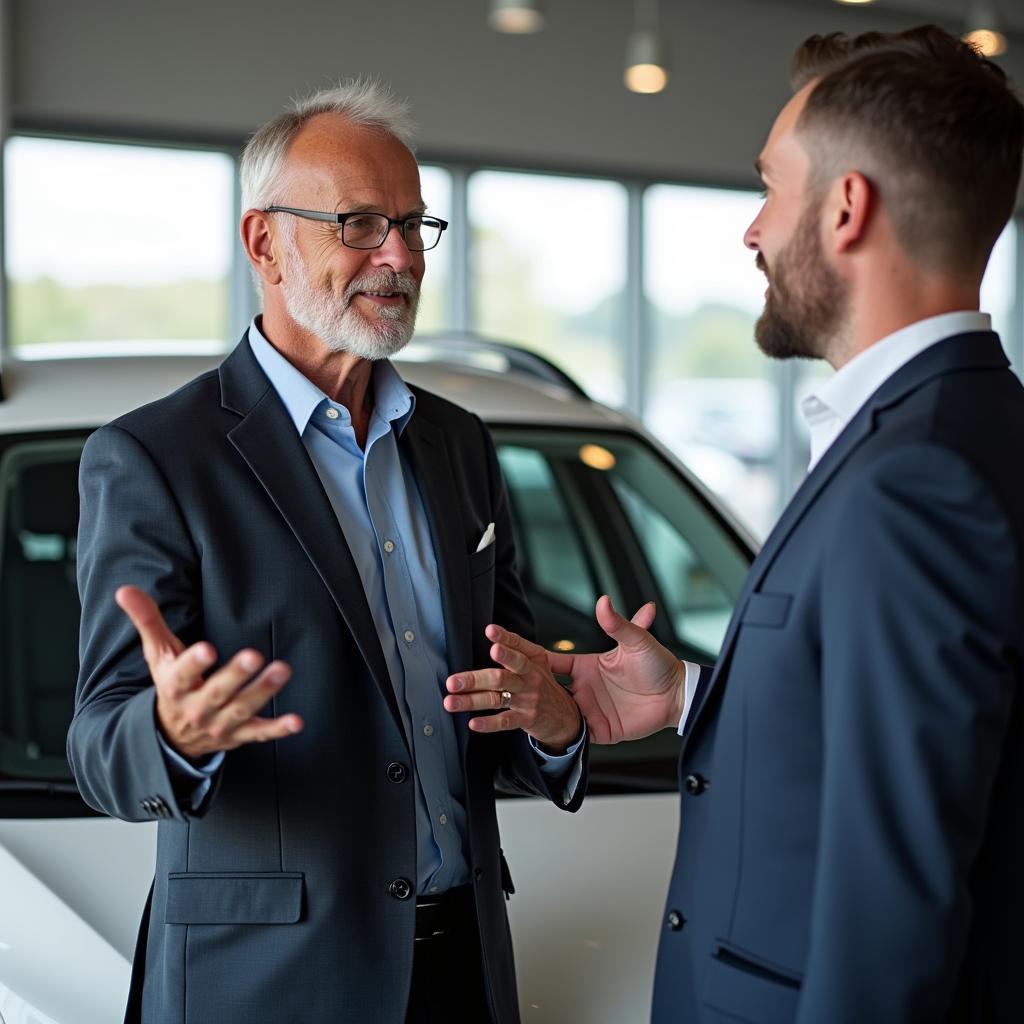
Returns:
(506,700)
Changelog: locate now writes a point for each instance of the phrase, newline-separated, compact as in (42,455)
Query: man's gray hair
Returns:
(363,101)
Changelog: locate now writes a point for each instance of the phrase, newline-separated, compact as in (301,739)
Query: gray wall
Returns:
(214,69)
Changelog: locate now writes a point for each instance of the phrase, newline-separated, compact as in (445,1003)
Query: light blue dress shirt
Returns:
(377,501)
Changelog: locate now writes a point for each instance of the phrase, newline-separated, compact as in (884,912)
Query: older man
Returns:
(852,772)
(307,534)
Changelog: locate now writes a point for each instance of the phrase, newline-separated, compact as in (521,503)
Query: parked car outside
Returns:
(598,507)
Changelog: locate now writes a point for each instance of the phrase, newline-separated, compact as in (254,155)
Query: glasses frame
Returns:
(393,222)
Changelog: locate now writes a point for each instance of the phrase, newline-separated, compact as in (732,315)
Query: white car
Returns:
(598,508)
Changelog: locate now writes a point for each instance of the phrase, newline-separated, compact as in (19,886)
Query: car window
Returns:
(603,512)
(39,609)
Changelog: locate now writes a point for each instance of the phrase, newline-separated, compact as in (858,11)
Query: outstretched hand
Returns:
(198,714)
(634,689)
(535,701)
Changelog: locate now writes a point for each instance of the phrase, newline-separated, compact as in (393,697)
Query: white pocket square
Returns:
(487,539)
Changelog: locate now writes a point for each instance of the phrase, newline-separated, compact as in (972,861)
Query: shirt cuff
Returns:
(557,764)
(689,687)
(190,780)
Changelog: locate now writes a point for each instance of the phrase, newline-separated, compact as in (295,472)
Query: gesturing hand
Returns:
(536,702)
(201,715)
(634,689)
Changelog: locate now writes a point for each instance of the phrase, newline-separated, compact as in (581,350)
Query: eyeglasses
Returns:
(368,230)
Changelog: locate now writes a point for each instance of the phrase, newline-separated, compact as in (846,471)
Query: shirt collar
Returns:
(850,387)
(393,401)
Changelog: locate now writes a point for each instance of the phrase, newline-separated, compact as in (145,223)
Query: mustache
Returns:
(383,281)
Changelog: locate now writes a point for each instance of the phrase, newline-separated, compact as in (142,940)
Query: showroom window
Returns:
(117,248)
(548,271)
(434,310)
(711,395)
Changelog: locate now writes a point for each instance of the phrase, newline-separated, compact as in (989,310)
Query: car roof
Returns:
(52,394)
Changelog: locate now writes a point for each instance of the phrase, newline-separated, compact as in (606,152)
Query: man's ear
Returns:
(258,242)
(851,203)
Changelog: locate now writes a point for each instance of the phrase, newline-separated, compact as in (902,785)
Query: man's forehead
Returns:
(782,144)
(354,163)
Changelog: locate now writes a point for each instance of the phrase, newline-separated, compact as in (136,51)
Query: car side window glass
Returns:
(694,599)
(39,607)
(553,555)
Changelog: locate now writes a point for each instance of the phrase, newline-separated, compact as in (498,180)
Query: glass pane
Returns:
(1001,284)
(39,609)
(436,186)
(550,547)
(529,287)
(115,247)
(698,604)
(712,396)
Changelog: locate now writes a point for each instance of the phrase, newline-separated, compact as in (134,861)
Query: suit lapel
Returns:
(965,351)
(266,439)
(428,452)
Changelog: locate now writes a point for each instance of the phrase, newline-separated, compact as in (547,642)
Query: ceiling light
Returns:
(855,2)
(647,60)
(982,29)
(516,16)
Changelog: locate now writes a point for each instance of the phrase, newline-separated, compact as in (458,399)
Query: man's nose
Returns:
(752,235)
(393,252)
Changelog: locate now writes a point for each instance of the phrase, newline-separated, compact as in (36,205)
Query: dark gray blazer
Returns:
(852,777)
(275,900)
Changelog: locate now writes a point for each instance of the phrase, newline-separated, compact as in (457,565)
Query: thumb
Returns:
(624,632)
(157,640)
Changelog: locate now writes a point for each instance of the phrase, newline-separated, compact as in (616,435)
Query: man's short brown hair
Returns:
(934,125)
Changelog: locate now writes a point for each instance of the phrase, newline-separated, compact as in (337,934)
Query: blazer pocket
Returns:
(229,897)
(743,988)
(764,609)
(481,561)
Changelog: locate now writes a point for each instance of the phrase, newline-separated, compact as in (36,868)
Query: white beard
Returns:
(336,323)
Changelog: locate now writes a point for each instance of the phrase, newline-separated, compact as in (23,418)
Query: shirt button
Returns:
(332,413)
(409,636)
(389,546)
(428,730)
(443,819)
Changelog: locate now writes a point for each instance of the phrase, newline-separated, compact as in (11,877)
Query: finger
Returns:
(185,673)
(511,659)
(496,634)
(481,679)
(485,700)
(260,730)
(622,631)
(222,686)
(560,664)
(494,723)
(243,706)
(158,642)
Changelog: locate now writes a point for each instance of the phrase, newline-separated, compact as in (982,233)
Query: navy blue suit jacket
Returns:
(274,901)
(852,832)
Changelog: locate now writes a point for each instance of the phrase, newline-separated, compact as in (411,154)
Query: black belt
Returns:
(440,914)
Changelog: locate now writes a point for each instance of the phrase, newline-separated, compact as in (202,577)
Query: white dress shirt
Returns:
(830,407)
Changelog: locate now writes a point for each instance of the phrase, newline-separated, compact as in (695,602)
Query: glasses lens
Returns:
(422,233)
(366,231)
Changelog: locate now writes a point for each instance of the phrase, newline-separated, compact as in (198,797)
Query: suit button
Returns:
(147,805)
(397,772)
(400,888)
(676,920)
(695,784)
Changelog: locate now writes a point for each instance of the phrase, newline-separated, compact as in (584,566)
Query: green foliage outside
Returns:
(45,310)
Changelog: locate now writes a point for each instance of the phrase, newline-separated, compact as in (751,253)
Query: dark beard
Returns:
(807,299)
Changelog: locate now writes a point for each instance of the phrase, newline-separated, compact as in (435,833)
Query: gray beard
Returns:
(340,326)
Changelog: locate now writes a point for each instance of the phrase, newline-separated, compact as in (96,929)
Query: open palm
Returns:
(634,689)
